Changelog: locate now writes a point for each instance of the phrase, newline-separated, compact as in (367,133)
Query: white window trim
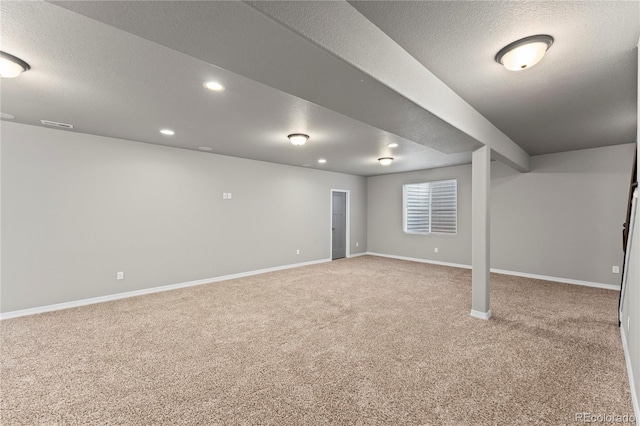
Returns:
(404,210)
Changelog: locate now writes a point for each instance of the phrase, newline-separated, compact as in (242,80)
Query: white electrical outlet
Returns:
(229,195)
(357,244)
(224,195)
(298,251)
(120,276)
(435,250)
(615,269)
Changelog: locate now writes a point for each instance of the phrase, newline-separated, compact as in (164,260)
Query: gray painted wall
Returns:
(384,230)
(542,222)
(78,208)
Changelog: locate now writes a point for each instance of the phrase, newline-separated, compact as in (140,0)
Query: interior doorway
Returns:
(339,224)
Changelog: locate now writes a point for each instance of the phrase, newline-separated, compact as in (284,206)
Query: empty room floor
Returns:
(360,341)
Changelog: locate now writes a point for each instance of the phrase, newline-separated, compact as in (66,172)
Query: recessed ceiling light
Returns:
(10,66)
(298,139)
(205,148)
(7,116)
(167,132)
(214,85)
(524,53)
(392,145)
(57,124)
(322,160)
(385,161)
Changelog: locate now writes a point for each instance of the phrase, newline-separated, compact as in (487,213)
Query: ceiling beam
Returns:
(342,30)
(250,42)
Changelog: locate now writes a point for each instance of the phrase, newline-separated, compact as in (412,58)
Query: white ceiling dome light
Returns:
(524,53)
(214,85)
(11,67)
(298,139)
(385,161)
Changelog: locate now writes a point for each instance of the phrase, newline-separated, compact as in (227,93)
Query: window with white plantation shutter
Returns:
(430,207)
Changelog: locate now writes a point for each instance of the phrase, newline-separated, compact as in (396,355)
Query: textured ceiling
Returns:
(116,84)
(340,29)
(581,95)
(126,69)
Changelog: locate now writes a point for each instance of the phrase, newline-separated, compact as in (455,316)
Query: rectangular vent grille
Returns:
(56,124)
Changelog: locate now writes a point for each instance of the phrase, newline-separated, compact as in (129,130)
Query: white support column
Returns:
(480,234)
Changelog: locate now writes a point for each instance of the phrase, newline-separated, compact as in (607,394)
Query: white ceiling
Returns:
(127,69)
(581,95)
(112,83)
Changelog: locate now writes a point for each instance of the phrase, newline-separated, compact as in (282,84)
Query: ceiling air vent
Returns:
(56,124)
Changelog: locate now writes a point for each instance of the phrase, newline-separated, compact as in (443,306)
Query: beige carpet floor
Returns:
(363,341)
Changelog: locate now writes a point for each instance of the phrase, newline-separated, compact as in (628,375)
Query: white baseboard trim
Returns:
(505,272)
(557,279)
(627,357)
(415,259)
(481,315)
(364,253)
(110,297)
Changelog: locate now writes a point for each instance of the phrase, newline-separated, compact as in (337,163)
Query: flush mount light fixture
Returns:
(385,161)
(214,85)
(10,66)
(167,132)
(392,145)
(298,139)
(322,160)
(524,53)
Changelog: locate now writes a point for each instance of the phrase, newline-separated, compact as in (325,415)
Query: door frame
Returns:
(348,220)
